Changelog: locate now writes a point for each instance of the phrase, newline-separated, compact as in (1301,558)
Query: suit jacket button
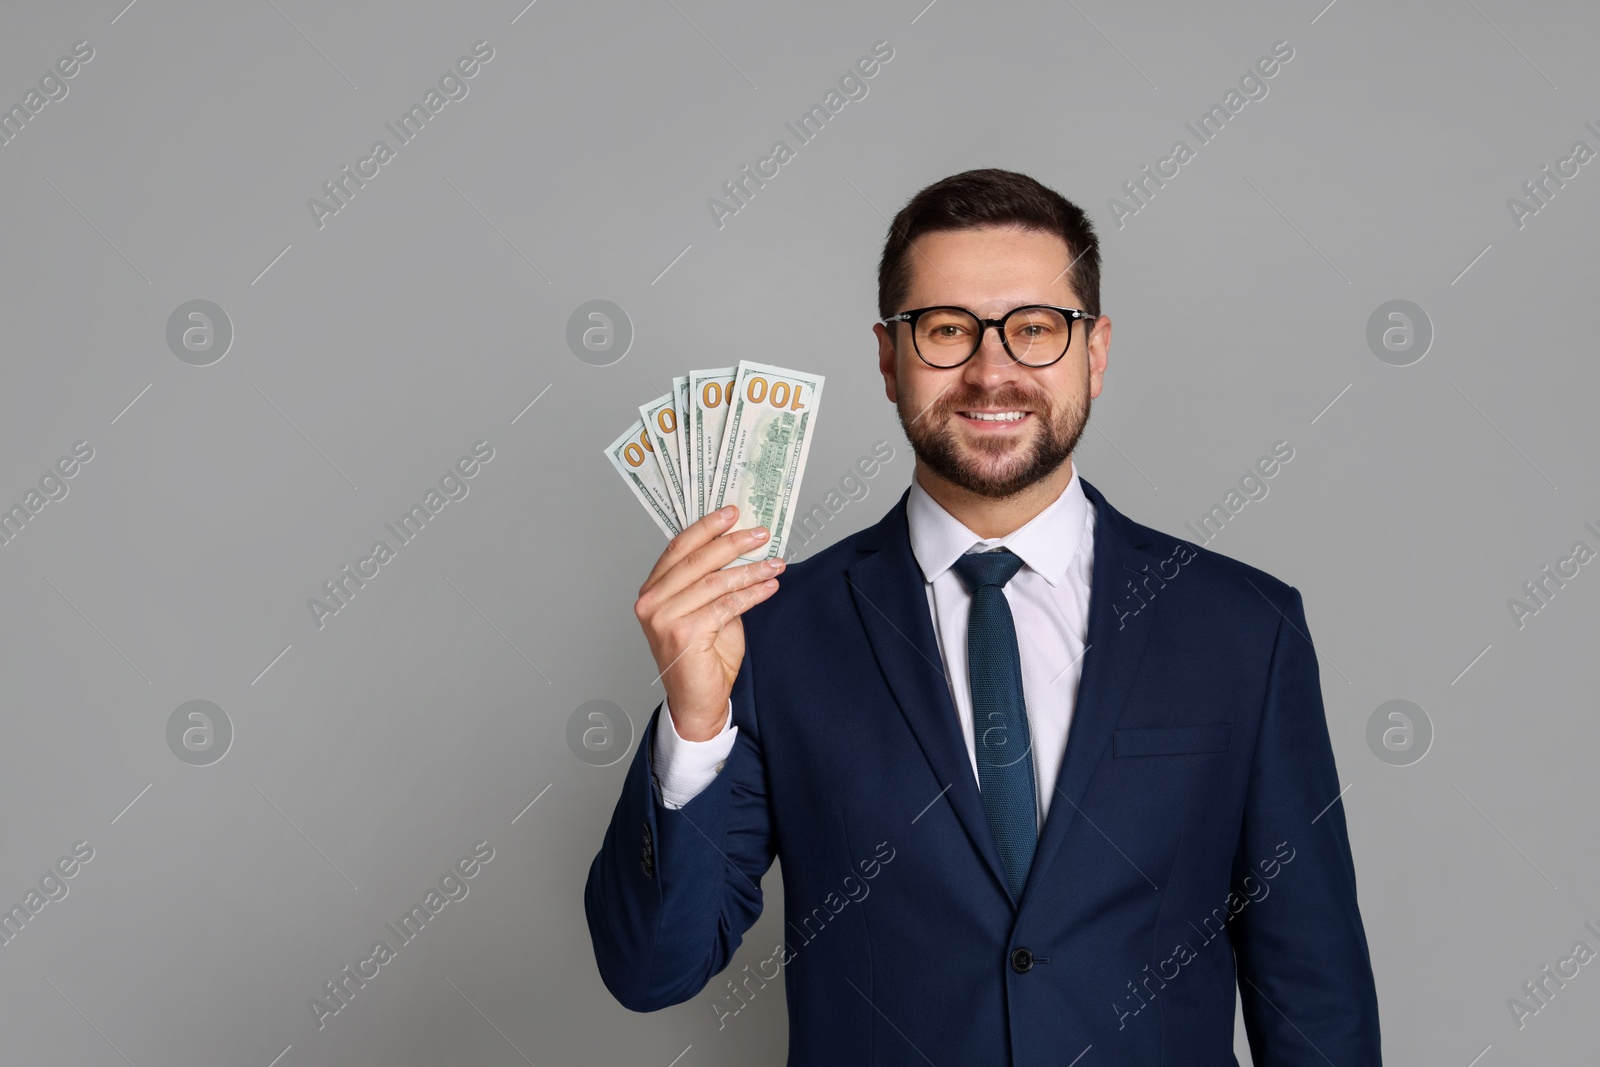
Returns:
(1021,960)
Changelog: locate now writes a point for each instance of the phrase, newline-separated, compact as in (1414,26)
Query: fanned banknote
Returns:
(709,392)
(764,449)
(660,417)
(729,435)
(680,399)
(633,456)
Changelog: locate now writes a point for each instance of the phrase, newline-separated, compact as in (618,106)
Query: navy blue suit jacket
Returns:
(1195,836)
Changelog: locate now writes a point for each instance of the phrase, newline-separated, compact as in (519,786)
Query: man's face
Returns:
(989,271)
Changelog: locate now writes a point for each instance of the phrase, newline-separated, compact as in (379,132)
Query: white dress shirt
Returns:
(1049,600)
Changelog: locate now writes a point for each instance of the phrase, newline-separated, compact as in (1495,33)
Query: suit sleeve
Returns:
(1305,976)
(673,890)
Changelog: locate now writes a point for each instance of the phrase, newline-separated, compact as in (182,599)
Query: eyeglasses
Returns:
(1034,335)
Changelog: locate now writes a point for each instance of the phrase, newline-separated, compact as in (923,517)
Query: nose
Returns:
(991,366)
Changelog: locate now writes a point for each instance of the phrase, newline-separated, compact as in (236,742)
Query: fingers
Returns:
(698,533)
(729,606)
(718,584)
(705,560)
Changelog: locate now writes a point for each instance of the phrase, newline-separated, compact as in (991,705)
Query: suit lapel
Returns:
(1114,646)
(891,598)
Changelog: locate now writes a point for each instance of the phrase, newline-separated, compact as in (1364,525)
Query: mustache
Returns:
(1004,398)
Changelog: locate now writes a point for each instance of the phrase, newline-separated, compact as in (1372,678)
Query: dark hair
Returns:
(989,197)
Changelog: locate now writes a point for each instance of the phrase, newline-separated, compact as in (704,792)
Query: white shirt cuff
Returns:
(684,768)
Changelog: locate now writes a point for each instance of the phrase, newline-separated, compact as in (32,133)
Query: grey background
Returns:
(426,315)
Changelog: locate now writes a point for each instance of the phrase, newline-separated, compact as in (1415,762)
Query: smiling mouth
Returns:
(1010,417)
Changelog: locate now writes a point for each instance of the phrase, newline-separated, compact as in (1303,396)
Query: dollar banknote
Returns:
(660,418)
(709,391)
(633,456)
(763,453)
(680,398)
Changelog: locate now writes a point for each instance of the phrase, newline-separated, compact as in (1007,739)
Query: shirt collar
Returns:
(1047,542)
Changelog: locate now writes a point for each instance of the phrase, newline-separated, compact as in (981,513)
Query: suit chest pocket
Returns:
(1170,740)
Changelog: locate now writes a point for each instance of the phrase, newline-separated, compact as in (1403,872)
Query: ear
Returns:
(886,360)
(1099,350)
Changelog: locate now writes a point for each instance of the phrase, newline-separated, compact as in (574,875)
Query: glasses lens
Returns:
(946,336)
(1038,335)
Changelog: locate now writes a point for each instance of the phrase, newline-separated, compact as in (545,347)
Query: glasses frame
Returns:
(910,317)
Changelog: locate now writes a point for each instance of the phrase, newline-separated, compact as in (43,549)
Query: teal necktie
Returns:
(999,715)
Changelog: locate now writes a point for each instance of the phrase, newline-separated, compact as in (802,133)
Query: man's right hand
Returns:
(689,609)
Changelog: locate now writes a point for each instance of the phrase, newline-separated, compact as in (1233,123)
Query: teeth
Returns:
(998,416)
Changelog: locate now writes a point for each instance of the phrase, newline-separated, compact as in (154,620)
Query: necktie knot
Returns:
(996,567)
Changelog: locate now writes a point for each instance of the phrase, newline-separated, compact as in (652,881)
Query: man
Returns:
(1044,781)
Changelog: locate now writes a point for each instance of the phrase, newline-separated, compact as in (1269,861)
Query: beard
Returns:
(934,439)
